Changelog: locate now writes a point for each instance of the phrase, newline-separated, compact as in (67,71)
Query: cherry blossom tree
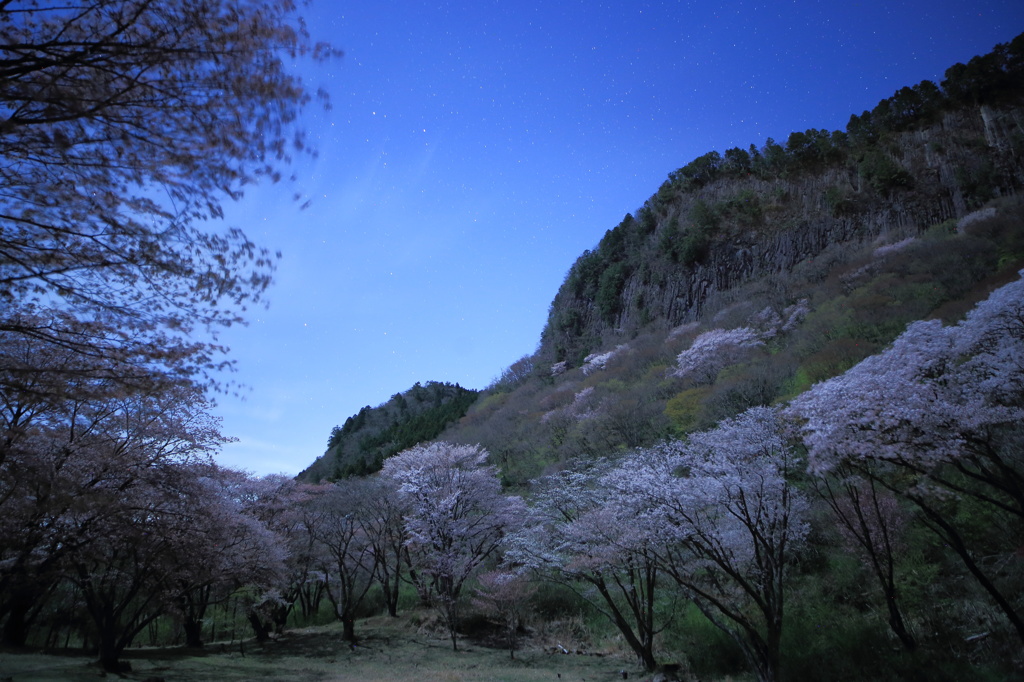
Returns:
(125,126)
(62,459)
(164,546)
(505,595)
(347,551)
(32,454)
(457,516)
(579,534)
(871,521)
(139,517)
(724,522)
(240,549)
(119,499)
(54,403)
(283,506)
(714,350)
(383,514)
(936,419)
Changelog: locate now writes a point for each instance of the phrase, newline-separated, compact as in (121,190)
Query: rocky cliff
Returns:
(694,239)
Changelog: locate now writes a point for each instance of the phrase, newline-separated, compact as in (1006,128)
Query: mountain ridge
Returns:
(709,238)
(731,234)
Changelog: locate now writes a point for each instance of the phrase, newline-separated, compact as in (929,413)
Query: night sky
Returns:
(475,149)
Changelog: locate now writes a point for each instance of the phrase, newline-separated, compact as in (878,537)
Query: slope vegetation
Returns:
(367,438)
(822,249)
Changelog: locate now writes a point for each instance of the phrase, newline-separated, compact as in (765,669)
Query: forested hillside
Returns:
(360,445)
(774,416)
(862,230)
(859,231)
(923,156)
(784,265)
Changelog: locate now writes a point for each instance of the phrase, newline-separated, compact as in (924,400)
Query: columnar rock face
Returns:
(687,244)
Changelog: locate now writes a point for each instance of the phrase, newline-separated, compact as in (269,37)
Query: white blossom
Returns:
(922,399)
(713,350)
(887,249)
(725,523)
(458,515)
(596,361)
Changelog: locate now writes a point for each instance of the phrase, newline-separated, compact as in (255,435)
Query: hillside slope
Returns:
(696,238)
(842,237)
(820,251)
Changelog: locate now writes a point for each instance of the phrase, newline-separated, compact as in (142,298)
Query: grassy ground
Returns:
(390,650)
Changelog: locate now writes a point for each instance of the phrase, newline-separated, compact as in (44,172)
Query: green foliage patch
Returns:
(360,446)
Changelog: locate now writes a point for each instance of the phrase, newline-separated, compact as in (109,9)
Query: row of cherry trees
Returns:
(115,509)
(927,433)
(110,503)
(112,507)
(714,520)
(934,421)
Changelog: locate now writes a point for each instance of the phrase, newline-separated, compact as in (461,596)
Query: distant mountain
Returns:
(367,438)
(754,273)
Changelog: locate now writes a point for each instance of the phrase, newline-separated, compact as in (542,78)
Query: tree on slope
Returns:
(935,418)
(870,520)
(724,523)
(580,534)
(505,595)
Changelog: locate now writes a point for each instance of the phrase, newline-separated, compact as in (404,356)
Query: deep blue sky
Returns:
(476,148)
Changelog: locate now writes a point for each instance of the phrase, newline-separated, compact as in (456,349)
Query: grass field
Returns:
(389,650)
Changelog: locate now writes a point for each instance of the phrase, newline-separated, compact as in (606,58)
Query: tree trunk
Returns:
(348,625)
(897,624)
(450,611)
(193,604)
(642,645)
(391,596)
(15,632)
(422,588)
(772,655)
(110,653)
(193,633)
(280,617)
(946,531)
(511,626)
(260,629)
(309,599)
